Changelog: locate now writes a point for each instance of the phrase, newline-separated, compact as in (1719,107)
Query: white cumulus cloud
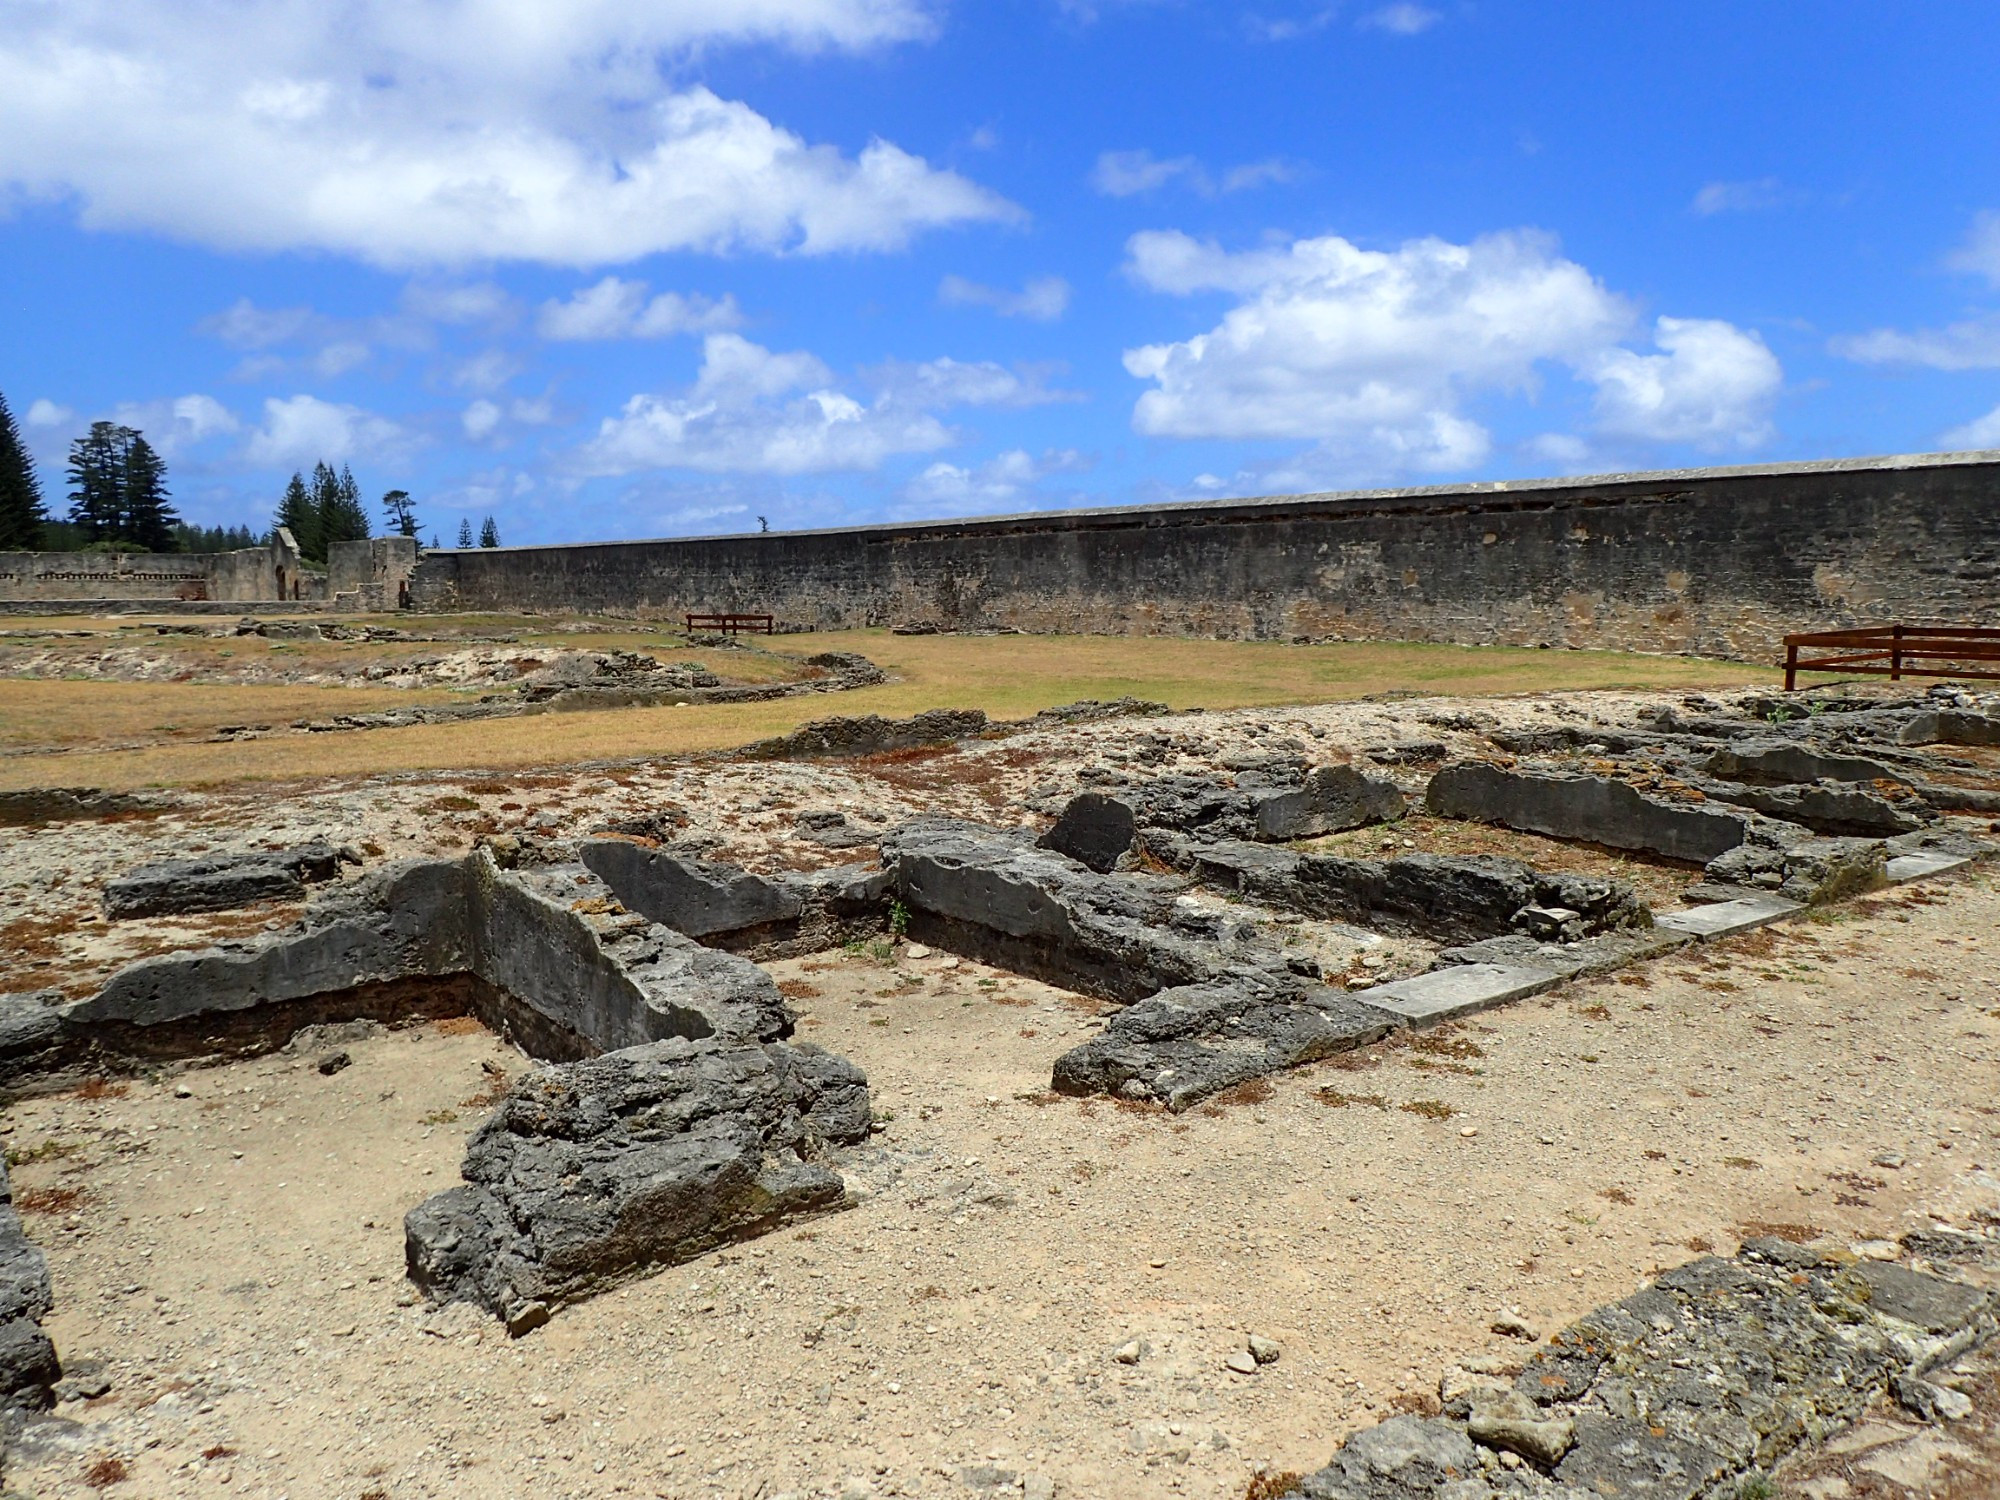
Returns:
(1711,386)
(751,410)
(301,430)
(1981,432)
(450,132)
(172,426)
(615,309)
(1376,355)
(1044,299)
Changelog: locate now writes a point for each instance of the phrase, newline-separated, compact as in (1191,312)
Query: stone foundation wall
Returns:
(1722,562)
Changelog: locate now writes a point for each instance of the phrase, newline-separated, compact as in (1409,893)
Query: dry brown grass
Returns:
(48,1200)
(1008,676)
(38,714)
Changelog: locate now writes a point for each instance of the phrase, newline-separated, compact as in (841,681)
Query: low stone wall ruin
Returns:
(674,1112)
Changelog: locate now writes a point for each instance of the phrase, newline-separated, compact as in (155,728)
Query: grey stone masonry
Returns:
(1720,562)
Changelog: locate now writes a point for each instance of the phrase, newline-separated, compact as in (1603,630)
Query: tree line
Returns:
(119,502)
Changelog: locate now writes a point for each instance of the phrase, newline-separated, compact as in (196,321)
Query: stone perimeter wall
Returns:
(1723,562)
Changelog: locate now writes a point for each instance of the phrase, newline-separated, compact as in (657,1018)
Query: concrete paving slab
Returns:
(1456,991)
(1724,918)
(1917,866)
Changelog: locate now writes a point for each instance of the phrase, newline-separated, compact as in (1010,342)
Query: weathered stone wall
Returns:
(102,575)
(370,575)
(1722,562)
(249,575)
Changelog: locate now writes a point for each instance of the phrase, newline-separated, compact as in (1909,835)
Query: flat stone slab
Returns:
(1917,866)
(1459,990)
(1726,917)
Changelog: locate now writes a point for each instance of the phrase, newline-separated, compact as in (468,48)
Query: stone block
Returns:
(1593,955)
(1453,897)
(1590,809)
(1778,762)
(217,882)
(1727,918)
(1906,867)
(1458,990)
(1818,871)
(600,1170)
(1330,800)
(992,895)
(1951,727)
(1185,1044)
(1094,830)
(1831,807)
(691,896)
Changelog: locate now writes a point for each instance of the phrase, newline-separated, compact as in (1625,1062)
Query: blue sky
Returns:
(645,267)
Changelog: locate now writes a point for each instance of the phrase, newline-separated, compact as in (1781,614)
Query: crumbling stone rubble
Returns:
(1690,1388)
(870,734)
(600,1170)
(695,1123)
(1271,799)
(729,907)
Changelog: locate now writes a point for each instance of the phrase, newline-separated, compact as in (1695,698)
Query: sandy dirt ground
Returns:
(1033,1295)
(227,1241)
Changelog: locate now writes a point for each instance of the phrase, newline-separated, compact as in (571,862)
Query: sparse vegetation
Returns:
(1010,677)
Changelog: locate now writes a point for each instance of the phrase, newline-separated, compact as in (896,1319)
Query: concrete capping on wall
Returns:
(1719,561)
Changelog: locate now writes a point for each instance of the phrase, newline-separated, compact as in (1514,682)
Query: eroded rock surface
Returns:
(870,734)
(1273,799)
(1459,898)
(1187,1043)
(1709,1376)
(994,895)
(592,1172)
(1592,809)
(28,1365)
(216,882)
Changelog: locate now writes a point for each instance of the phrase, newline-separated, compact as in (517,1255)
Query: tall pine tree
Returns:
(298,515)
(97,482)
(400,513)
(338,500)
(149,518)
(489,534)
(21,512)
(465,531)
